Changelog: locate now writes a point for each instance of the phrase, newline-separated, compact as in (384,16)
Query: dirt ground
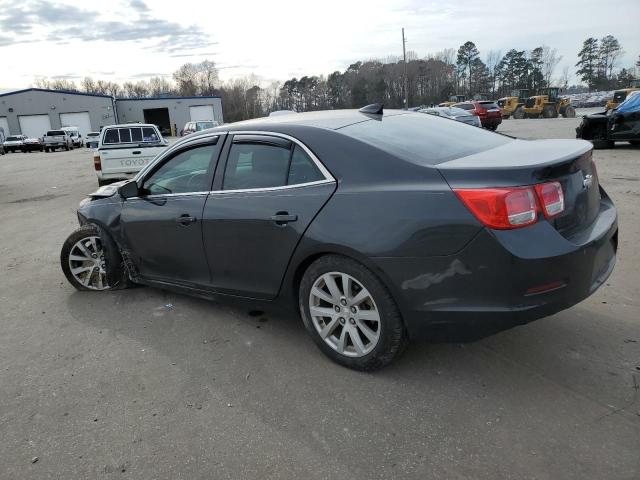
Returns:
(143,383)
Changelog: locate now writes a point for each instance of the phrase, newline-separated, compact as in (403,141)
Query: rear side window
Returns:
(111,136)
(302,169)
(422,139)
(136,134)
(256,166)
(125,135)
(149,135)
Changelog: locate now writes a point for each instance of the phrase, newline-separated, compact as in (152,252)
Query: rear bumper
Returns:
(491,121)
(504,278)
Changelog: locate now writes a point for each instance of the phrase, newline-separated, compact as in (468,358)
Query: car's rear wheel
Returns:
(91,261)
(350,314)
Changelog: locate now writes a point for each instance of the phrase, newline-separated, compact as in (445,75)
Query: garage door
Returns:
(34,125)
(78,119)
(4,125)
(201,112)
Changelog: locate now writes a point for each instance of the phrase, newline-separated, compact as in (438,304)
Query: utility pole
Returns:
(406,80)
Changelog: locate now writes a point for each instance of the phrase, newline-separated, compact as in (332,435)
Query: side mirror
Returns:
(129,190)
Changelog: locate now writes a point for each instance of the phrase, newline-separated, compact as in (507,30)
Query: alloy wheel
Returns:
(344,314)
(87,263)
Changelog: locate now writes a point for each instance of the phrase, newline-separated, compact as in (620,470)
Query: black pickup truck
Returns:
(619,125)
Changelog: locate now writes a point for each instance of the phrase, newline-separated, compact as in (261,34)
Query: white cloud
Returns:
(279,39)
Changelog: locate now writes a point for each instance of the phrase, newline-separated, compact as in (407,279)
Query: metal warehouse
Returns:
(33,111)
(169,112)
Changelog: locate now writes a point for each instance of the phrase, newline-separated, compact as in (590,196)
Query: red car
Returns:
(487,110)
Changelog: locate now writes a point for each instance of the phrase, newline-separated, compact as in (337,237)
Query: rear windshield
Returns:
(204,125)
(619,96)
(488,105)
(130,135)
(55,133)
(92,134)
(424,139)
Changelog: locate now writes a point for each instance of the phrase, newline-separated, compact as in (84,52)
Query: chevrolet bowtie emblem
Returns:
(587,181)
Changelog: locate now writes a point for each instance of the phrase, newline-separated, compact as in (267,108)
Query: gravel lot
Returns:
(148,384)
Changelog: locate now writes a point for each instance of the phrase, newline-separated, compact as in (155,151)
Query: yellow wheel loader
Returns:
(512,105)
(548,105)
(453,99)
(620,96)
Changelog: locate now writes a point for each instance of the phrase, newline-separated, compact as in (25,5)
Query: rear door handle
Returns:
(185,219)
(282,218)
(137,152)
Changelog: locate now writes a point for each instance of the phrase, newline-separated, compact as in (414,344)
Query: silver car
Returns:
(457,114)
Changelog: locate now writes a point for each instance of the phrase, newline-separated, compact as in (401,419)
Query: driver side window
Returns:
(186,172)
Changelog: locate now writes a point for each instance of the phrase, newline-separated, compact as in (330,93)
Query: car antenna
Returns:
(374,109)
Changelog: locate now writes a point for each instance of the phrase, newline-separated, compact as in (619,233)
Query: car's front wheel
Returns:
(91,261)
(350,314)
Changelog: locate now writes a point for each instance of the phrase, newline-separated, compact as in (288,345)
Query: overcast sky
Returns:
(135,39)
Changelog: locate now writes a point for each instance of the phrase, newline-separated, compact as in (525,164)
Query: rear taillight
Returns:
(551,198)
(501,208)
(506,208)
(96,163)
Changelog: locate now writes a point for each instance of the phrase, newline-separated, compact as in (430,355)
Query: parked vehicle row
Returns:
(375,226)
(65,138)
(454,113)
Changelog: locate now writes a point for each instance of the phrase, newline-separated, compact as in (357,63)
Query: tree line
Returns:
(430,80)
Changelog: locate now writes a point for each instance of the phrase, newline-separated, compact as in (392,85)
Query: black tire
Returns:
(518,113)
(102,183)
(600,144)
(393,337)
(634,142)
(549,112)
(117,276)
(569,112)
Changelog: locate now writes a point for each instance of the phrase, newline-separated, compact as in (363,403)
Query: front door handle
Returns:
(137,152)
(282,218)
(185,219)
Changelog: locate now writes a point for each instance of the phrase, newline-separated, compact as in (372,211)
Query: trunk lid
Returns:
(529,162)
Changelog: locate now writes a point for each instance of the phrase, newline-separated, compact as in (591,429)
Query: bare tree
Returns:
(550,60)
(186,78)
(564,79)
(493,59)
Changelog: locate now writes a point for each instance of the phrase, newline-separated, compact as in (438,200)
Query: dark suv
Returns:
(487,110)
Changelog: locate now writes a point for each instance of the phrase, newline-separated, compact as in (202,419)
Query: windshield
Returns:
(204,125)
(458,112)
(488,105)
(12,139)
(55,133)
(423,139)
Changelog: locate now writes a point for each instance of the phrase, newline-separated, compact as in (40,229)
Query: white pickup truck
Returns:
(123,150)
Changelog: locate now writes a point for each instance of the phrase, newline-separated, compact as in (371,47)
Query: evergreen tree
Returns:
(588,62)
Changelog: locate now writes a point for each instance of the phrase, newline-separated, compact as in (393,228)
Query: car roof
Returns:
(123,125)
(326,119)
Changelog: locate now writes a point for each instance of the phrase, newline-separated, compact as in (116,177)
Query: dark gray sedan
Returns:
(453,113)
(376,227)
